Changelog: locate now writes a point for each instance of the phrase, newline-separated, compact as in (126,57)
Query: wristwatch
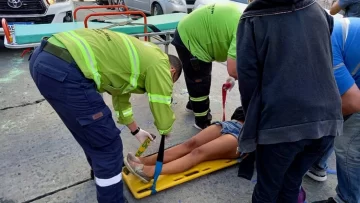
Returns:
(136,131)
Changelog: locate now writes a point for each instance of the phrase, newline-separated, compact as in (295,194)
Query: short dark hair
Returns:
(176,63)
(238,114)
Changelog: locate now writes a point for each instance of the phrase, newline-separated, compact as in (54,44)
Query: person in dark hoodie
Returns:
(288,92)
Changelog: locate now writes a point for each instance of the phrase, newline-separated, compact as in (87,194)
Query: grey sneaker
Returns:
(317,174)
(137,170)
(330,200)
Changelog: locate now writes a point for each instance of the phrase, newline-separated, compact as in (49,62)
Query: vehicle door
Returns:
(129,3)
(142,5)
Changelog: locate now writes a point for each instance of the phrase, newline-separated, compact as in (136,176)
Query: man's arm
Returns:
(231,68)
(246,62)
(231,61)
(124,111)
(335,8)
(349,91)
(159,87)
(341,5)
(351,100)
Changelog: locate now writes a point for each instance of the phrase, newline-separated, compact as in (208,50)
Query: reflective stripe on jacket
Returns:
(120,65)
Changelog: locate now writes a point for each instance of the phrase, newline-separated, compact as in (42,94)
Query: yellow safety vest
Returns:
(120,65)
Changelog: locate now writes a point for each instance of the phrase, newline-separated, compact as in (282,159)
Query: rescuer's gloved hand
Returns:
(142,135)
(230,83)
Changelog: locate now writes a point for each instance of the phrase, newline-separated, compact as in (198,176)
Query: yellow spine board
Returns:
(141,190)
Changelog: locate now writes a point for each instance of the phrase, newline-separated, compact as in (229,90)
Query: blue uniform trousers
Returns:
(83,111)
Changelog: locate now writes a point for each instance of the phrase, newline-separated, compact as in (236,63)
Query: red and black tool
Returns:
(224,88)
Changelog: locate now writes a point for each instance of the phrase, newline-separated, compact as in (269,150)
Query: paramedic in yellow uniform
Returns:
(205,35)
(71,68)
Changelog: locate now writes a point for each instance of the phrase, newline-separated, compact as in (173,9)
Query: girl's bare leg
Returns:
(223,147)
(208,134)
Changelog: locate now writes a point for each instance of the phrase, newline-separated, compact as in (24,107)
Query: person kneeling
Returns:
(218,141)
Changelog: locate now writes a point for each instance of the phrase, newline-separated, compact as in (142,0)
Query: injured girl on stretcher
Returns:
(218,141)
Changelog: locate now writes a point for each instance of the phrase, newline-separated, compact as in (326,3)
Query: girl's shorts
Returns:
(229,127)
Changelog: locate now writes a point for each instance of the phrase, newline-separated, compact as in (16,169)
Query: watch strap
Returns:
(136,131)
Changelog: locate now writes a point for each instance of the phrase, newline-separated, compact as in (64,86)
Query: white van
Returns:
(35,12)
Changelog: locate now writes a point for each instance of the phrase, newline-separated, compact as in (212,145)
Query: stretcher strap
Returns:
(159,164)
(224,92)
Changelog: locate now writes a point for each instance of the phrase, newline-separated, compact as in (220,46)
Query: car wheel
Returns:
(99,2)
(156,10)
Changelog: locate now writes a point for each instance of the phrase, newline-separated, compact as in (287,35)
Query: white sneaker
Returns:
(317,174)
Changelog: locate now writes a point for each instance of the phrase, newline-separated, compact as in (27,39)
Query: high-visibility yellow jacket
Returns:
(120,65)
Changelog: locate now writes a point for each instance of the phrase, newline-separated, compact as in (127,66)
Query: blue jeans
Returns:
(347,151)
(281,167)
(84,113)
(322,162)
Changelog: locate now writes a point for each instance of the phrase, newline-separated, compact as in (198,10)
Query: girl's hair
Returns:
(238,114)
(176,63)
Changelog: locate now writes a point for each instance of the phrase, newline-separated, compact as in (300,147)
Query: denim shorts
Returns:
(230,127)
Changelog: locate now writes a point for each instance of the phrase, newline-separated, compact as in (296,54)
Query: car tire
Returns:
(99,2)
(156,10)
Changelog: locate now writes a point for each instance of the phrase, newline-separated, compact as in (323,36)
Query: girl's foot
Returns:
(133,158)
(137,170)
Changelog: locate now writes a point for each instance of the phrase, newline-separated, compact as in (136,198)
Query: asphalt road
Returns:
(41,162)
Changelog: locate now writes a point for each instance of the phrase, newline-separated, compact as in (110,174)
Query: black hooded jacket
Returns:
(284,65)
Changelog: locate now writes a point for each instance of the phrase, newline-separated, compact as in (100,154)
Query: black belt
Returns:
(58,52)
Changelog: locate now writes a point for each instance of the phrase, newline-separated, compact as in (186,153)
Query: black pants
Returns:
(281,167)
(198,81)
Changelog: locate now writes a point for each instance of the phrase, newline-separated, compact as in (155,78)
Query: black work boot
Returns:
(203,122)
(188,107)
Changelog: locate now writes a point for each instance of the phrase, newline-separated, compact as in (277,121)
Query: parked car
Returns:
(199,3)
(241,3)
(35,12)
(155,7)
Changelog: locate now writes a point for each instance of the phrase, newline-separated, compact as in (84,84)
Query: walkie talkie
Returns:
(194,61)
